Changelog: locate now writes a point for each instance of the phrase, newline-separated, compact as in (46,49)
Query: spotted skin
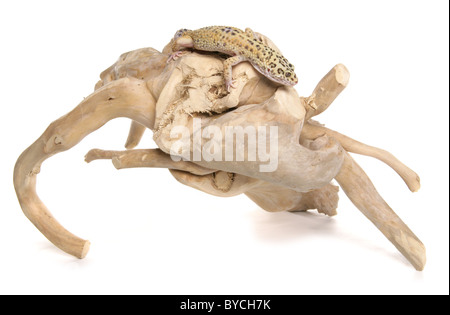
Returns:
(242,46)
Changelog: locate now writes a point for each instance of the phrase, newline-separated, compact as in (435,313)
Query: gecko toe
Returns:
(231,84)
(174,56)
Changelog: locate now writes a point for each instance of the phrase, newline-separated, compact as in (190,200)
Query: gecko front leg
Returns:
(174,56)
(178,47)
(228,72)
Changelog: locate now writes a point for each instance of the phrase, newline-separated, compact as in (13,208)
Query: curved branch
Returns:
(410,178)
(122,98)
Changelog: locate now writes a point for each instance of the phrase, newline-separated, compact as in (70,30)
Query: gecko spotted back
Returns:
(243,46)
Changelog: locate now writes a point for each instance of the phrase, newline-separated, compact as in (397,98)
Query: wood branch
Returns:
(220,183)
(34,209)
(135,134)
(326,91)
(283,111)
(275,198)
(411,179)
(161,96)
(358,187)
(145,158)
(270,197)
(111,101)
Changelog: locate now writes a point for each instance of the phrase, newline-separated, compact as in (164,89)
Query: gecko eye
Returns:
(179,33)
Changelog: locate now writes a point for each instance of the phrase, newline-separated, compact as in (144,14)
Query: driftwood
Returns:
(190,93)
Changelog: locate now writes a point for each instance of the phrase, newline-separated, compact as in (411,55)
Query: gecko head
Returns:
(280,70)
(180,33)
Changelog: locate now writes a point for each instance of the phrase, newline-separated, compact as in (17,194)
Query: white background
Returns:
(152,235)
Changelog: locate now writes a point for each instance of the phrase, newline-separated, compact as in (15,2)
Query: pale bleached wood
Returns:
(411,179)
(270,197)
(135,135)
(159,95)
(293,159)
(145,158)
(126,97)
(326,91)
(358,187)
